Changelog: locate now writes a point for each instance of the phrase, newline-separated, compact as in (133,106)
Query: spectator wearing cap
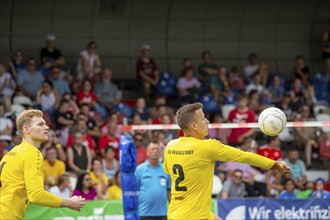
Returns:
(320,192)
(30,80)
(298,168)
(288,192)
(147,71)
(252,67)
(49,55)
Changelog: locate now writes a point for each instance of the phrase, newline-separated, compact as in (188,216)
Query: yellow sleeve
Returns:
(164,164)
(218,151)
(34,181)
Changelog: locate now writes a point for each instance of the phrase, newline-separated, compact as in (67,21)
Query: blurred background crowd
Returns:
(85,109)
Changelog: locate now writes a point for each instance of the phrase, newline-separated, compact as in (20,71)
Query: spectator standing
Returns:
(153,185)
(320,192)
(147,71)
(30,80)
(234,188)
(63,187)
(85,189)
(51,56)
(241,114)
(298,173)
(288,192)
(252,67)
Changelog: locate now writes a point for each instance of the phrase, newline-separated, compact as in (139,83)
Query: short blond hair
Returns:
(25,118)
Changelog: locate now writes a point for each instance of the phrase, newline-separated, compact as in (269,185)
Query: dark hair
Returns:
(205,53)
(49,83)
(300,56)
(252,92)
(80,181)
(96,159)
(271,138)
(288,180)
(242,96)
(187,69)
(253,55)
(109,148)
(293,149)
(51,148)
(238,170)
(30,59)
(62,178)
(186,113)
(91,43)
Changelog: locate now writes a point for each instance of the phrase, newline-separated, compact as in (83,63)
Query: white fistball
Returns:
(272,121)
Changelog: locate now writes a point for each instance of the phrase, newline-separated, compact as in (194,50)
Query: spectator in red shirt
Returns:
(147,71)
(241,114)
(271,149)
(86,94)
(141,152)
(161,111)
(110,139)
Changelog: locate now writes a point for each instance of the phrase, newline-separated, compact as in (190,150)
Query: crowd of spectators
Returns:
(85,111)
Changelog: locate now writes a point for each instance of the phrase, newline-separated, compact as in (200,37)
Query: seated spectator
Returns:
(252,67)
(50,56)
(276,90)
(287,106)
(305,136)
(16,140)
(110,163)
(241,114)
(272,149)
(99,178)
(60,84)
(298,169)
(219,133)
(255,83)
(106,92)
(63,187)
(30,80)
(115,192)
(169,133)
(147,71)
(161,111)
(7,87)
(236,82)
(79,157)
(86,94)
(6,125)
(47,98)
(154,110)
(90,56)
(53,168)
(141,152)
(53,142)
(110,139)
(274,183)
(206,69)
(264,74)
(72,107)
(188,87)
(85,189)
(141,109)
(234,188)
(254,98)
(230,97)
(320,192)
(288,192)
(307,191)
(301,70)
(92,129)
(253,188)
(17,64)
(85,73)
(303,94)
(218,82)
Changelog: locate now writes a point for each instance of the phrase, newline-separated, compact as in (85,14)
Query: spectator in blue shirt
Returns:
(298,168)
(288,192)
(320,192)
(153,185)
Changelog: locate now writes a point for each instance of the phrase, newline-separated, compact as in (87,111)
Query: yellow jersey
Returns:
(114,192)
(22,181)
(52,173)
(96,180)
(190,163)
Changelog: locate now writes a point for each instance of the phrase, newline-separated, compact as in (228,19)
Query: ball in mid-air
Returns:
(272,121)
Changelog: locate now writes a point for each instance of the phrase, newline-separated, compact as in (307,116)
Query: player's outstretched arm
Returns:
(282,167)
(75,203)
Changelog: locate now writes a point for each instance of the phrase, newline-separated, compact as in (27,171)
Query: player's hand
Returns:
(77,202)
(282,167)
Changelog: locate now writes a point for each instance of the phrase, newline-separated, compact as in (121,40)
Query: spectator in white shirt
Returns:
(252,67)
(63,188)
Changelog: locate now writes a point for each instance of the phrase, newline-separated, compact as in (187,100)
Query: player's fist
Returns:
(77,202)
(282,167)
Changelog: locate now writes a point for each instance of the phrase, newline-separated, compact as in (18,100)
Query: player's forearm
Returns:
(44,198)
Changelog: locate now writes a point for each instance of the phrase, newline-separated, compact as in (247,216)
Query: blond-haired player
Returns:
(21,173)
(190,162)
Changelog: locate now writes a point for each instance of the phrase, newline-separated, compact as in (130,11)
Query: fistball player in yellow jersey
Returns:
(21,172)
(190,162)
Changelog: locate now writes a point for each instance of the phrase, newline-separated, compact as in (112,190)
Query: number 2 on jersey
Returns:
(1,166)
(177,169)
